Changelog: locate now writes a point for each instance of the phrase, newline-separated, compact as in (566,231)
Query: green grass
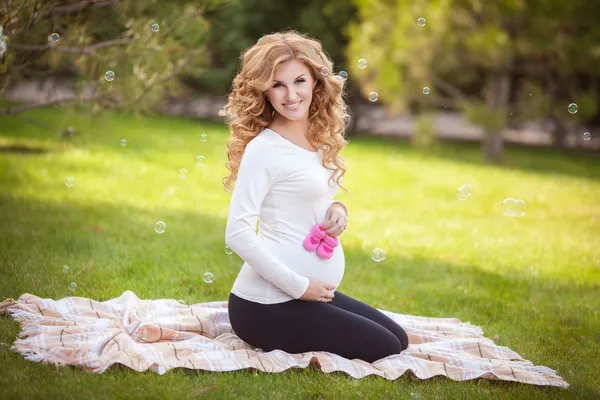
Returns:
(533,281)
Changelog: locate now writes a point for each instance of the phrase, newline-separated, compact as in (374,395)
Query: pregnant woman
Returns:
(286,116)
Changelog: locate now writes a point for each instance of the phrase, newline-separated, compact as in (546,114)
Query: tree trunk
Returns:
(352,101)
(559,132)
(497,98)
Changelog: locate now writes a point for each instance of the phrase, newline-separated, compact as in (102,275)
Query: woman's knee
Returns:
(385,346)
(402,337)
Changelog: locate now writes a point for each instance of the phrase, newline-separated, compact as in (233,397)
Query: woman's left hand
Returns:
(336,220)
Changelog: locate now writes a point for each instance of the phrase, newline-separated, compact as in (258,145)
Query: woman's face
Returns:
(291,90)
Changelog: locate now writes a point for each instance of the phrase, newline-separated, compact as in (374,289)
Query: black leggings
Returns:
(345,326)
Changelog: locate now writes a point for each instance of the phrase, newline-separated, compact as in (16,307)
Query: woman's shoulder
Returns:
(263,144)
(264,140)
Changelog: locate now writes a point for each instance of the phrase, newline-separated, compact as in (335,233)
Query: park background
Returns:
(109,123)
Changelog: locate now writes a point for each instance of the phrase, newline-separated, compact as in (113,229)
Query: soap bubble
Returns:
(378,254)
(70,181)
(228,250)
(72,286)
(181,302)
(587,136)
(123,142)
(362,63)
(200,161)
(54,37)
(343,75)
(208,277)
(324,71)
(160,227)
(426,90)
(203,137)
(573,108)
(155,28)
(464,192)
(65,269)
(513,207)
(109,76)
(183,173)
(421,22)
(373,96)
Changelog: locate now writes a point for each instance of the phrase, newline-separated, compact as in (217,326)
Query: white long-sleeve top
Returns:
(286,189)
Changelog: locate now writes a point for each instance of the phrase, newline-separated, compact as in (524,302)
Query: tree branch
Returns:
(165,78)
(57,12)
(451,90)
(87,50)
(74,8)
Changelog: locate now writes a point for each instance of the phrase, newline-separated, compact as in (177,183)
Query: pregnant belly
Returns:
(310,265)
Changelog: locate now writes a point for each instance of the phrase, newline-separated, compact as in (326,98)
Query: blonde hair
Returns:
(248,112)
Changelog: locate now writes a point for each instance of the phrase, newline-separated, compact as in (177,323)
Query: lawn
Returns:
(532,283)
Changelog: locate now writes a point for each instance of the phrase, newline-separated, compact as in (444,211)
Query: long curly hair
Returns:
(248,112)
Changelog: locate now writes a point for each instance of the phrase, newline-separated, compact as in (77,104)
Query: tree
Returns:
(122,54)
(481,60)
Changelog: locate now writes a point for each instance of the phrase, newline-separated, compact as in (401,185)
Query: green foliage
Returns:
(146,63)
(239,24)
(547,48)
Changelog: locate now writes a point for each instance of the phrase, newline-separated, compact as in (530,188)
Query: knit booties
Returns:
(328,243)
(314,237)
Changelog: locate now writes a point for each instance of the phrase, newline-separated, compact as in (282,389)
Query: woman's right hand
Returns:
(318,291)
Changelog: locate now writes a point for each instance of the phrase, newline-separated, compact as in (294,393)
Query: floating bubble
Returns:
(573,108)
(181,302)
(373,96)
(228,250)
(362,63)
(123,142)
(426,90)
(421,21)
(72,286)
(70,181)
(183,173)
(109,76)
(160,227)
(343,75)
(200,161)
(378,254)
(53,37)
(464,192)
(208,277)
(155,28)
(324,71)
(203,137)
(587,136)
(513,207)
(44,172)
(65,269)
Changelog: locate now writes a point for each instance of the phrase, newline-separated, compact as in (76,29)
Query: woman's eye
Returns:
(279,84)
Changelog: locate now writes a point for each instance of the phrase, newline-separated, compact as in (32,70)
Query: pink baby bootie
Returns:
(314,237)
(328,243)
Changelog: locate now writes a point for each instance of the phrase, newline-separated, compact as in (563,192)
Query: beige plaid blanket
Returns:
(164,334)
